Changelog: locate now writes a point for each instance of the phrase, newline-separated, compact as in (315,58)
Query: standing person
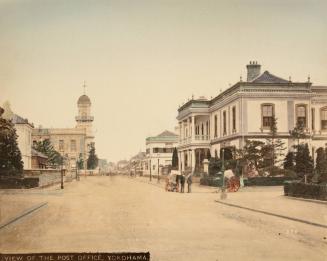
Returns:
(182,179)
(177,182)
(189,182)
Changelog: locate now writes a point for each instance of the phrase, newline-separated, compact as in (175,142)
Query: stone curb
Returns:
(272,214)
(23,214)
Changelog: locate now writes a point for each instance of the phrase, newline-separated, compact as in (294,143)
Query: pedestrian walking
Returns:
(189,182)
(182,179)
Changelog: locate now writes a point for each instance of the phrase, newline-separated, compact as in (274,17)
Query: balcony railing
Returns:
(84,118)
(201,137)
(197,138)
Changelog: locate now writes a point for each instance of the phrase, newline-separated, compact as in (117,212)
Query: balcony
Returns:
(202,139)
(84,118)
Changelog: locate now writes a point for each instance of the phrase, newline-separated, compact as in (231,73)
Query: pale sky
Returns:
(142,59)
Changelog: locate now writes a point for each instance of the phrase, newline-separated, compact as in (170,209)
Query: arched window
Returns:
(301,115)
(268,113)
(323,118)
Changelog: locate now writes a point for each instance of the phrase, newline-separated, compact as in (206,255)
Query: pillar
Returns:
(193,127)
(193,160)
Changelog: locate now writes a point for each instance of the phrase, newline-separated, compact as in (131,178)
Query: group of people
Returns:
(178,184)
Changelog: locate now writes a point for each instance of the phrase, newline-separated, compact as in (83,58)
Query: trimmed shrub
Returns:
(266,181)
(302,190)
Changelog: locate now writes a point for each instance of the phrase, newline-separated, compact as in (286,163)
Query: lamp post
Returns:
(223,194)
(150,171)
(158,168)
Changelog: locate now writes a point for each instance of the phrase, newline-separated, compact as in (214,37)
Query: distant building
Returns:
(137,162)
(122,165)
(71,142)
(103,165)
(245,111)
(159,151)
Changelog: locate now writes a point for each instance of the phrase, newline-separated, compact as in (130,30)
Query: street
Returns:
(119,214)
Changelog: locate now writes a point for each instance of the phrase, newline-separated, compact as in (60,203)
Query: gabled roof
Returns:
(267,77)
(167,134)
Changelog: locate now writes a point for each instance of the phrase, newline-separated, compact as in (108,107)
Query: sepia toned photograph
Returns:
(163,130)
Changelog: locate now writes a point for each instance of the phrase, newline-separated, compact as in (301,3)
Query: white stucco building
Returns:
(71,142)
(245,111)
(24,132)
(159,152)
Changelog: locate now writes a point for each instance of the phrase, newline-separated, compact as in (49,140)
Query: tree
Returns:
(273,150)
(252,152)
(298,133)
(54,157)
(10,156)
(303,161)
(92,161)
(174,161)
(80,162)
(321,164)
(289,161)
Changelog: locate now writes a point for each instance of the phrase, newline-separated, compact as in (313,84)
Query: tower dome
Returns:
(84,99)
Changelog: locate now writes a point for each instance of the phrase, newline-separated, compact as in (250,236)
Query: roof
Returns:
(267,77)
(16,119)
(167,134)
(36,153)
(84,99)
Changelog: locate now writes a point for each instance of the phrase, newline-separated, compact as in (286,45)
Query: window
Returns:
(207,128)
(224,123)
(61,144)
(216,127)
(234,118)
(301,115)
(202,132)
(73,145)
(267,115)
(313,119)
(324,118)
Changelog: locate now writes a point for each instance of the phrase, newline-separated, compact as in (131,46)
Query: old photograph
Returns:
(163,130)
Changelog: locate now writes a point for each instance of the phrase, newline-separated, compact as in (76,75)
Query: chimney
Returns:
(253,70)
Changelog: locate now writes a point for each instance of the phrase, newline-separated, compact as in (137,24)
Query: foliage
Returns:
(274,148)
(45,147)
(321,164)
(289,161)
(300,189)
(80,162)
(303,161)
(252,152)
(174,161)
(228,153)
(214,166)
(92,161)
(10,156)
(298,133)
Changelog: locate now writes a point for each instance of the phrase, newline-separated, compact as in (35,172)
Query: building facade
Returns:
(71,143)
(159,152)
(245,111)
(24,132)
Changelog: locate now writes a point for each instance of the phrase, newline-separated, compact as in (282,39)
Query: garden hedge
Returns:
(303,190)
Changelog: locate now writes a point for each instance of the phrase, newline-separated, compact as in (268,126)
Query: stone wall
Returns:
(47,177)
